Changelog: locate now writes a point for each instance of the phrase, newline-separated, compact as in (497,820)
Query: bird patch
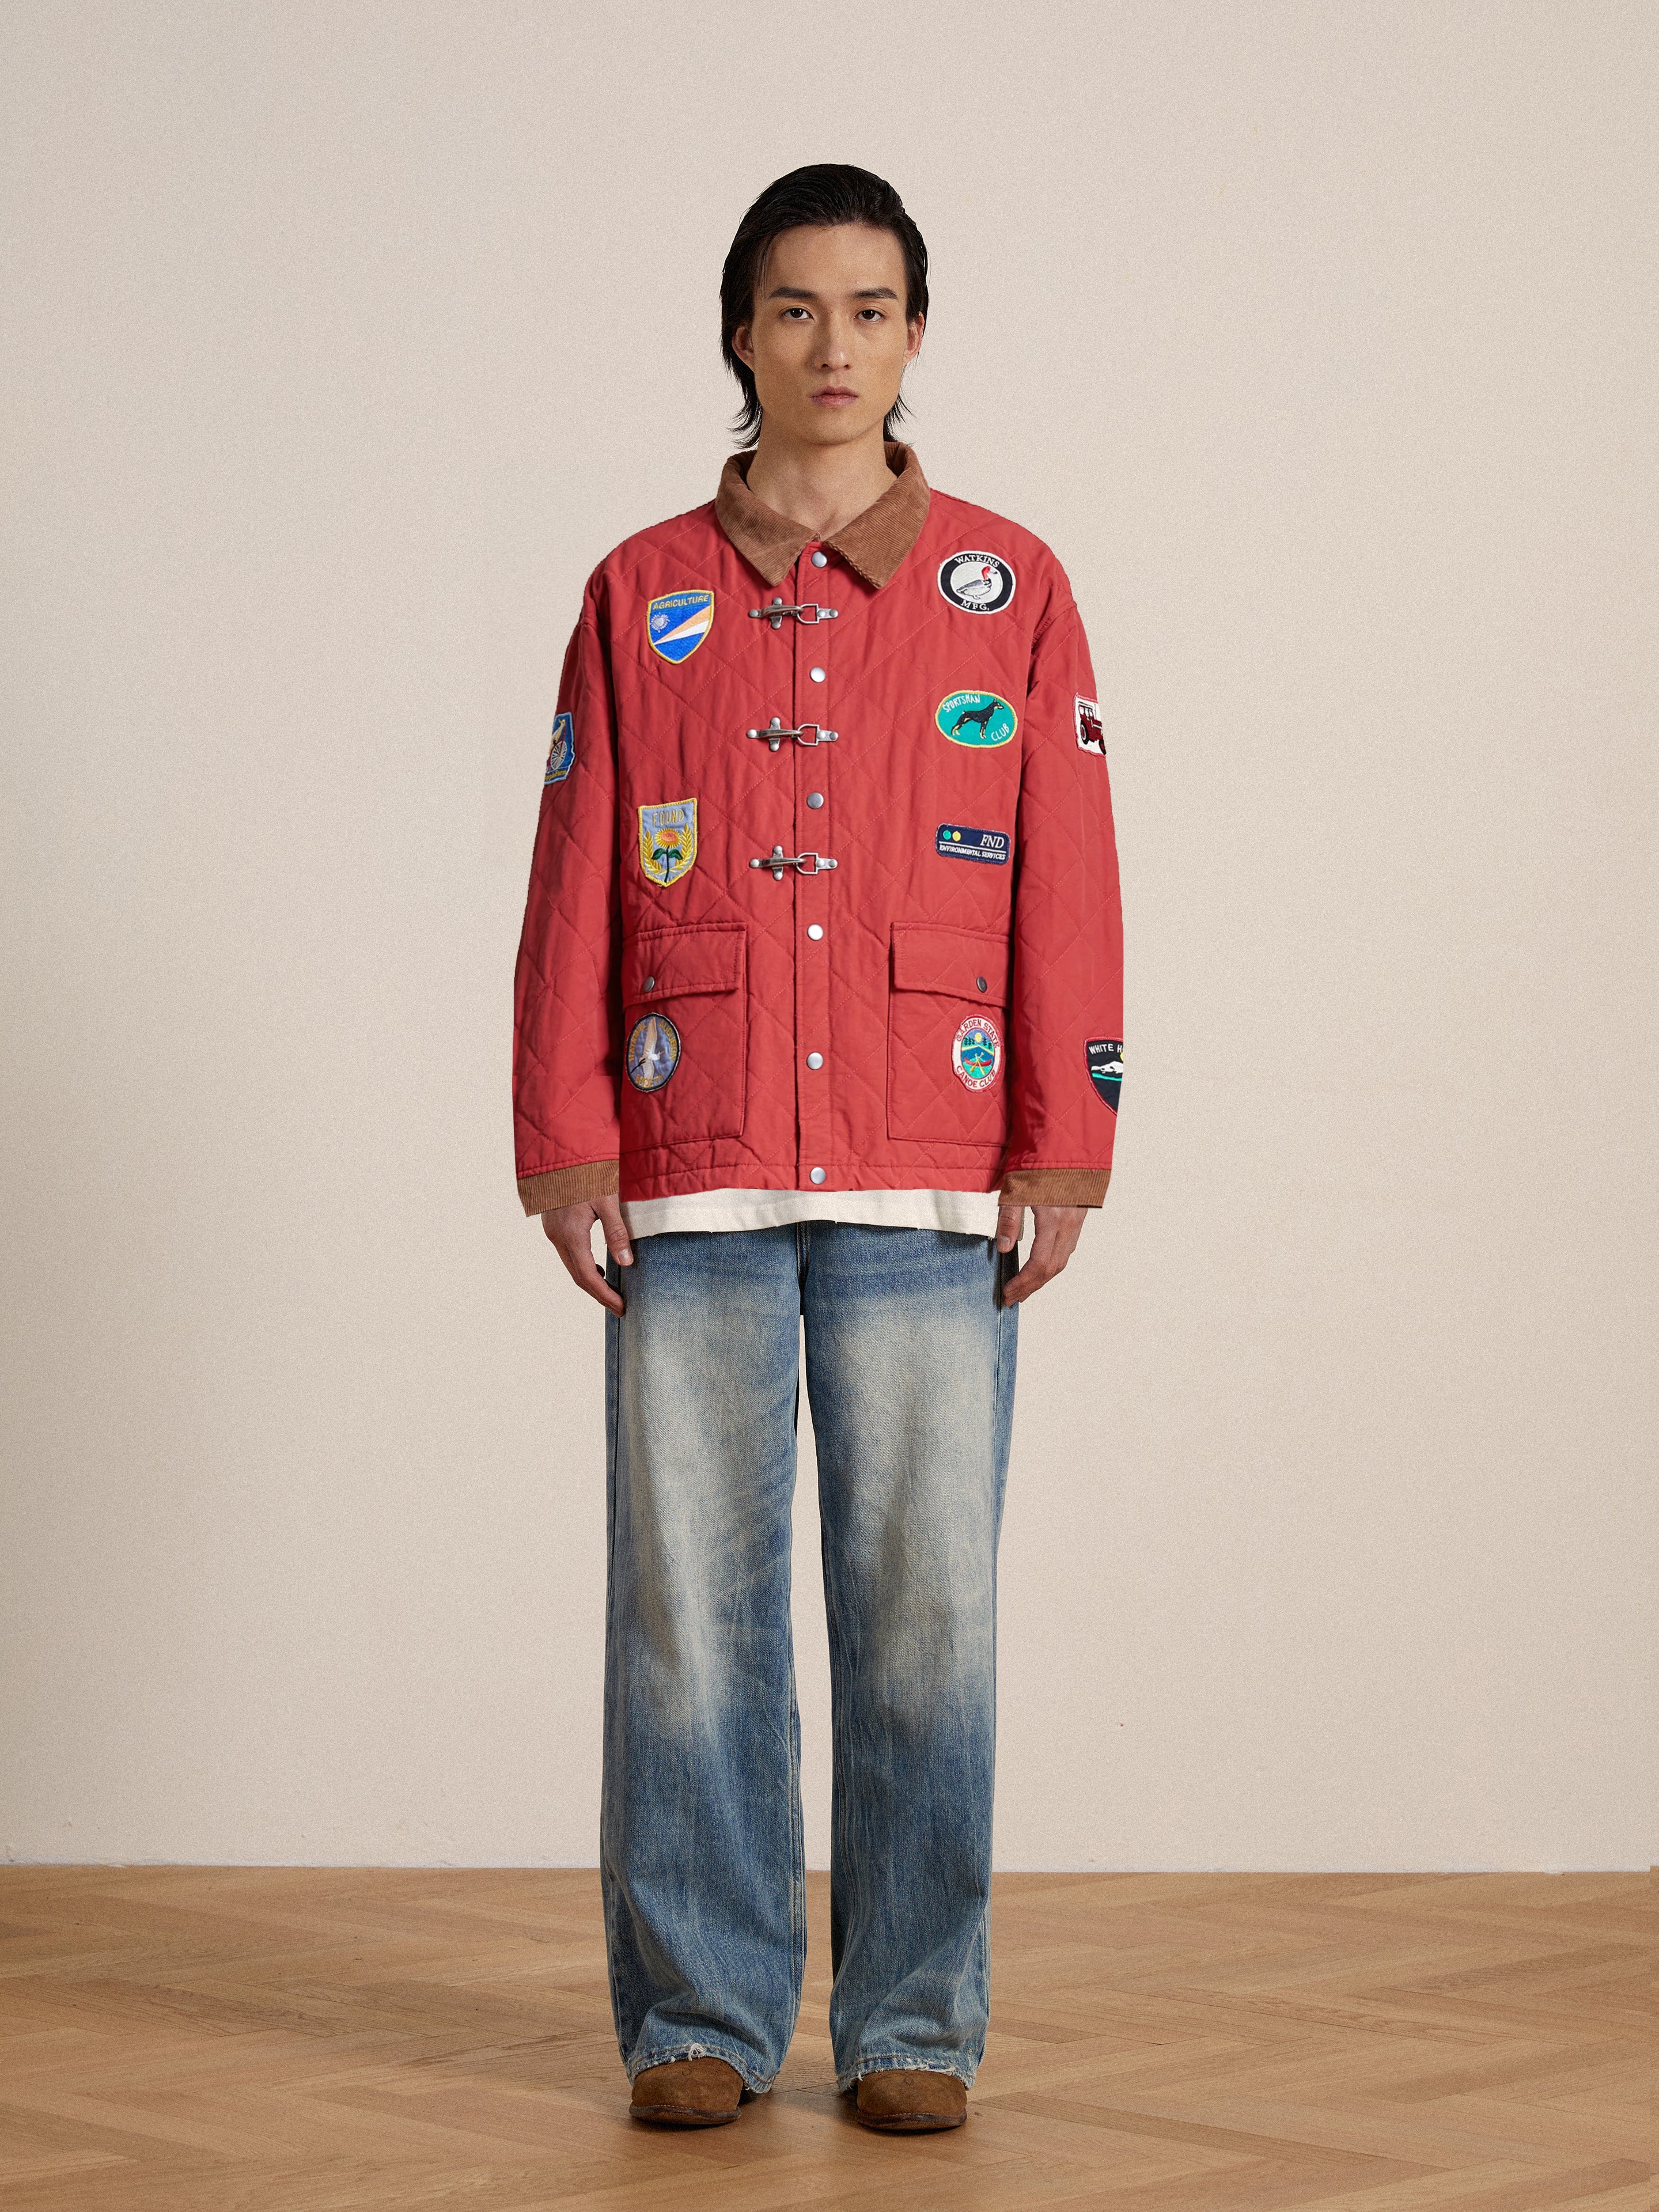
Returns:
(676,624)
(668,840)
(562,756)
(976,1052)
(955,843)
(976,718)
(977,583)
(1105,1061)
(654,1052)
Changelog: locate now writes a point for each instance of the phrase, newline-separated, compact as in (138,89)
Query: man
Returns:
(819,988)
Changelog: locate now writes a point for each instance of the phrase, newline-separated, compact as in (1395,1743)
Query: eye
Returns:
(794,311)
(876,312)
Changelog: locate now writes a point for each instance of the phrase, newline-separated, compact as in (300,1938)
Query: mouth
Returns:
(834,395)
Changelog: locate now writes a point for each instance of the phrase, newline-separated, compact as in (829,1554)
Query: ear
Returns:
(913,338)
(742,344)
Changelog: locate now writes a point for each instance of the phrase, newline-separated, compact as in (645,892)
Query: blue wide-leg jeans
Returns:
(910,1376)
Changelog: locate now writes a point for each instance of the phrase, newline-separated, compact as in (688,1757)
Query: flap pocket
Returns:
(675,963)
(960,963)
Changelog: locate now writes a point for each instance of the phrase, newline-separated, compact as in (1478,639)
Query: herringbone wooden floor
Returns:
(194,2040)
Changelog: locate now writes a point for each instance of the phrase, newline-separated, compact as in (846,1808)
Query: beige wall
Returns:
(341,340)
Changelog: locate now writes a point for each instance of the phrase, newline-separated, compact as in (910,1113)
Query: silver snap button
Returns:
(818,1175)
(650,983)
(815,799)
(815,1059)
(820,560)
(980,980)
(816,675)
(815,930)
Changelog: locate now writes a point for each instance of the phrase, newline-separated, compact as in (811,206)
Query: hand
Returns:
(1058,1227)
(570,1232)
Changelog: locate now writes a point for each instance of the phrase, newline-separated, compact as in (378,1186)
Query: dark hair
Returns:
(825,193)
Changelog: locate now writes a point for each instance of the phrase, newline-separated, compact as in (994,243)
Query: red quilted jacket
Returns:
(825,893)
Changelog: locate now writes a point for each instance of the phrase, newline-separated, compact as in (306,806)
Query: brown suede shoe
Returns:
(687,2093)
(901,2102)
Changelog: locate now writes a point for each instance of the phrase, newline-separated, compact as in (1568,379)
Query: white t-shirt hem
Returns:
(968,1213)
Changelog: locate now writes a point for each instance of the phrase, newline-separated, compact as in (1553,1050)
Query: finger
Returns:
(1011,1225)
(616,1236)
(575,1248)
(1043,1262)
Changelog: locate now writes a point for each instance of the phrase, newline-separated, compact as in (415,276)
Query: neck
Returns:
(820,487)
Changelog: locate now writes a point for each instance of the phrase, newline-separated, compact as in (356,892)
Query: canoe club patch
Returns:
(1105,1056)
(677,623)
(1091,733)
(976,1052)
(654,1052)
(976,718)
(668,840)
(978,583)
(958,844)
(562,756)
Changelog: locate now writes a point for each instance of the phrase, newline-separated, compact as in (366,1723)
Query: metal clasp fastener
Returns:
(805,863)
(775,733)
(808,611)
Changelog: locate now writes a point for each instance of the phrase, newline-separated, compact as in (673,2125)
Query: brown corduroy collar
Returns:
(873,543)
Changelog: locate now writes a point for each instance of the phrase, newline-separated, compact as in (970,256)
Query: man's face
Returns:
(827,339)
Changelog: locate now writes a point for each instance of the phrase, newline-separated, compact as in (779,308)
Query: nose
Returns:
(836,351)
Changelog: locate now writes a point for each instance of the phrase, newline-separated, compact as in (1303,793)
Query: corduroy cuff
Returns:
(540,1194)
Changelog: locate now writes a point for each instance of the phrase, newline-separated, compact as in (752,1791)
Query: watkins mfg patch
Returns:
(956,844)
(668,840)
(1090,734)
(1105,1057)
(978,583)
(677,623)
(563,757)
(654,1052)
(976,1052)
(976,718)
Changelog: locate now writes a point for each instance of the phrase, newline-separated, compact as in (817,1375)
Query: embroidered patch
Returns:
(1105,1057)
(958,844)
(563,757)
(1090,735)
(978,583)
(976,718)
(677,623)
(668,840)
(976,1052)
(654,1052)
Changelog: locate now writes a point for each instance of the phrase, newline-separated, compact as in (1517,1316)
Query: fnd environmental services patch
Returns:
(677,623)
(654,1052)
(1091,733)
(978,583)
(976,1052)
(958,844)
(668,840)
(1106,1067)
(563,757)
(976,718)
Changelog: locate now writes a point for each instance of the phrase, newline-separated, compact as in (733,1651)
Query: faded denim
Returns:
(911,1378)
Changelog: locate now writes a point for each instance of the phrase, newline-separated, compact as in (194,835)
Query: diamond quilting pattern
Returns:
(650,731)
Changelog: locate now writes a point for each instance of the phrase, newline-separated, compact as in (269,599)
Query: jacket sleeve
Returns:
(1066,1014)
(566,998)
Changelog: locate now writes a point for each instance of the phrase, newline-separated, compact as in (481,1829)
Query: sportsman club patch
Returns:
(976,1052)
(654,1052)
(1091,733)
(978,583)
(1106,1067)
(676,624)
(976,718)
(956,844)
(668,840)
(563,757)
